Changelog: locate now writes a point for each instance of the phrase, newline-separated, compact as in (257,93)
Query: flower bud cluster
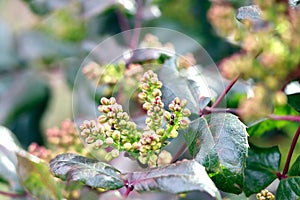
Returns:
(65,138)
(265,195)
(112,129)
(155,136)
(177,118)
(269,56)
(40,151)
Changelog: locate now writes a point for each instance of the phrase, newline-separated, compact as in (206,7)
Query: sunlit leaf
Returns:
(180,177)
(261,168)
(35,177)
(96,174)
(219,142)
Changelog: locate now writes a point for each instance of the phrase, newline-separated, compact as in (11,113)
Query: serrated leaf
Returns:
(288,188)
(91,172)
(180,177)
(294,101)
(219,142)
(295,169)
(261,167)
(36,178)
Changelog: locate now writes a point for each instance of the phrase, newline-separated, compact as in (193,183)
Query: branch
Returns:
(124,26)
(288,159)
(287,117)
(12,195)
(227,89)
(137,25)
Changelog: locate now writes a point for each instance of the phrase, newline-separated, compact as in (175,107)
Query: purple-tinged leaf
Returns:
(91,172)
(34,175)
(219,142)
(183,176)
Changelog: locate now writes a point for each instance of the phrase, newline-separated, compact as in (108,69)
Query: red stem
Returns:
(124,26)
(287,118)
(12,195)
(288,159)
(137,25)
(228,87)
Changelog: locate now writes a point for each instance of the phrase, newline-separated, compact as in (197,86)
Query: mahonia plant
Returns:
(113,129)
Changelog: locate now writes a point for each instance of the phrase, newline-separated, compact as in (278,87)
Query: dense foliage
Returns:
(152,117)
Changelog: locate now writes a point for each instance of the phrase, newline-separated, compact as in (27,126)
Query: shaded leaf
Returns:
(36,178)
(295,169)
(261,168)
(219,142)
(180,177)
(294,101)
(96,174)
(288,188)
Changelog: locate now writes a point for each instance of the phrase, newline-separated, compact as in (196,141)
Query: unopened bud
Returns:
(156,92)
(109,141)
(186,112)
(173,134)
(127,146)
(102,119)
(104,101)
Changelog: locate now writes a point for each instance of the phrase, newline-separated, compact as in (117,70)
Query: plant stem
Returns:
(287,117)
(137,25)
(12,195)
(124,26)
(179,152)
(288,159)
(227,89)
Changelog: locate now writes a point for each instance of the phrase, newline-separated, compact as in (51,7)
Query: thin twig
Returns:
(287,117)
(12,195)
(288,159)
(227,89)
(124,26)
(137,25)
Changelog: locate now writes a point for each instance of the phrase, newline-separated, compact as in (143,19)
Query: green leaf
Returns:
(96,174)
(182,176)
(36,178)
(295,169)
(219,142)
(294,101)
(288,188)
(261,168)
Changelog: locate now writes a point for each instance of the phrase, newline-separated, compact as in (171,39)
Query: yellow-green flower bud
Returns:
(186,112)
(184,124)
(147,106)
(102,119)
(173,133)
(90,140)
(156,92)
(116,134)
(104,101)
(109,141)
(127,146)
